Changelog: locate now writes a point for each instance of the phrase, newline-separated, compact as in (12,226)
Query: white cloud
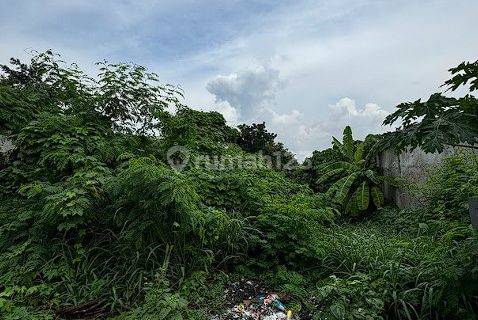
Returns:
(347,107)
(285,118)
(309,136)
(357,49)
(322,50)
(363,120)
(247,91)
(230,113)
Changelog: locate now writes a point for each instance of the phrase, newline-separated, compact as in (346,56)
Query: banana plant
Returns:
(354,185)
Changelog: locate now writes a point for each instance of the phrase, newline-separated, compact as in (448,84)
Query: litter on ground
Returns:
(250,300)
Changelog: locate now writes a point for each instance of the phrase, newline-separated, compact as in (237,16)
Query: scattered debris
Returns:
(95,309)
(250,300)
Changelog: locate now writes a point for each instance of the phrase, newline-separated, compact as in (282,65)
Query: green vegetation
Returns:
(95,222)
(440,121)
(355,184)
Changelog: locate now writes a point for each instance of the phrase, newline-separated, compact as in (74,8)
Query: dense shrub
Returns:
(90,209)
(451,184)
(356,297)
(427,269)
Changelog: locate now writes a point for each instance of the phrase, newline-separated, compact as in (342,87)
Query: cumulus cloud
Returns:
(230,113)
(347,108)
(311,44)
(247,91)
(310,136)
(285,118)
(363,120)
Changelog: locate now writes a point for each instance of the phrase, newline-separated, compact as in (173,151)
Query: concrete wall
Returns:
(411,168)
(5,144)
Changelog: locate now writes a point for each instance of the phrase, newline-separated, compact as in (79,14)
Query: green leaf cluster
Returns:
(354,183)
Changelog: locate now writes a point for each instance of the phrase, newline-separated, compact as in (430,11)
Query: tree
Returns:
(125,97)
(255,138)
(440,121)
(196,129)
(132,98)
(354,184)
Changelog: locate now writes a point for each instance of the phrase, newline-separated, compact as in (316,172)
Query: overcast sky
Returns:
(306,68)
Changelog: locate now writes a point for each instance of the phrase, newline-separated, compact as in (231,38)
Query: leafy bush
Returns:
(451,184)
(426,268)
(160,304)
(201,132)
(282,215)
(158,205)
(255,138)
(356,297)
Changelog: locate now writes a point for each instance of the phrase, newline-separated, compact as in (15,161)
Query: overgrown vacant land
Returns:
(117,201)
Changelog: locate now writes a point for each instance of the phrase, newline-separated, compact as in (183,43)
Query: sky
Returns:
(306,68)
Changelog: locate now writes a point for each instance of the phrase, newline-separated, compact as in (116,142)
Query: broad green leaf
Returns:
(352,206)
(377,197)
(359,152)
(337,145)
(329,174)
(363,196)
(344,187)
(338,310)
(337,164)
(335,187)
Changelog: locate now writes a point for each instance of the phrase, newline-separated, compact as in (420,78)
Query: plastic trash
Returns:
(265,306)
(273,300)
(278,305)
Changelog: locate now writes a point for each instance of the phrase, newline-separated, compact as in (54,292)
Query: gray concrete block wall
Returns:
(412,168)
